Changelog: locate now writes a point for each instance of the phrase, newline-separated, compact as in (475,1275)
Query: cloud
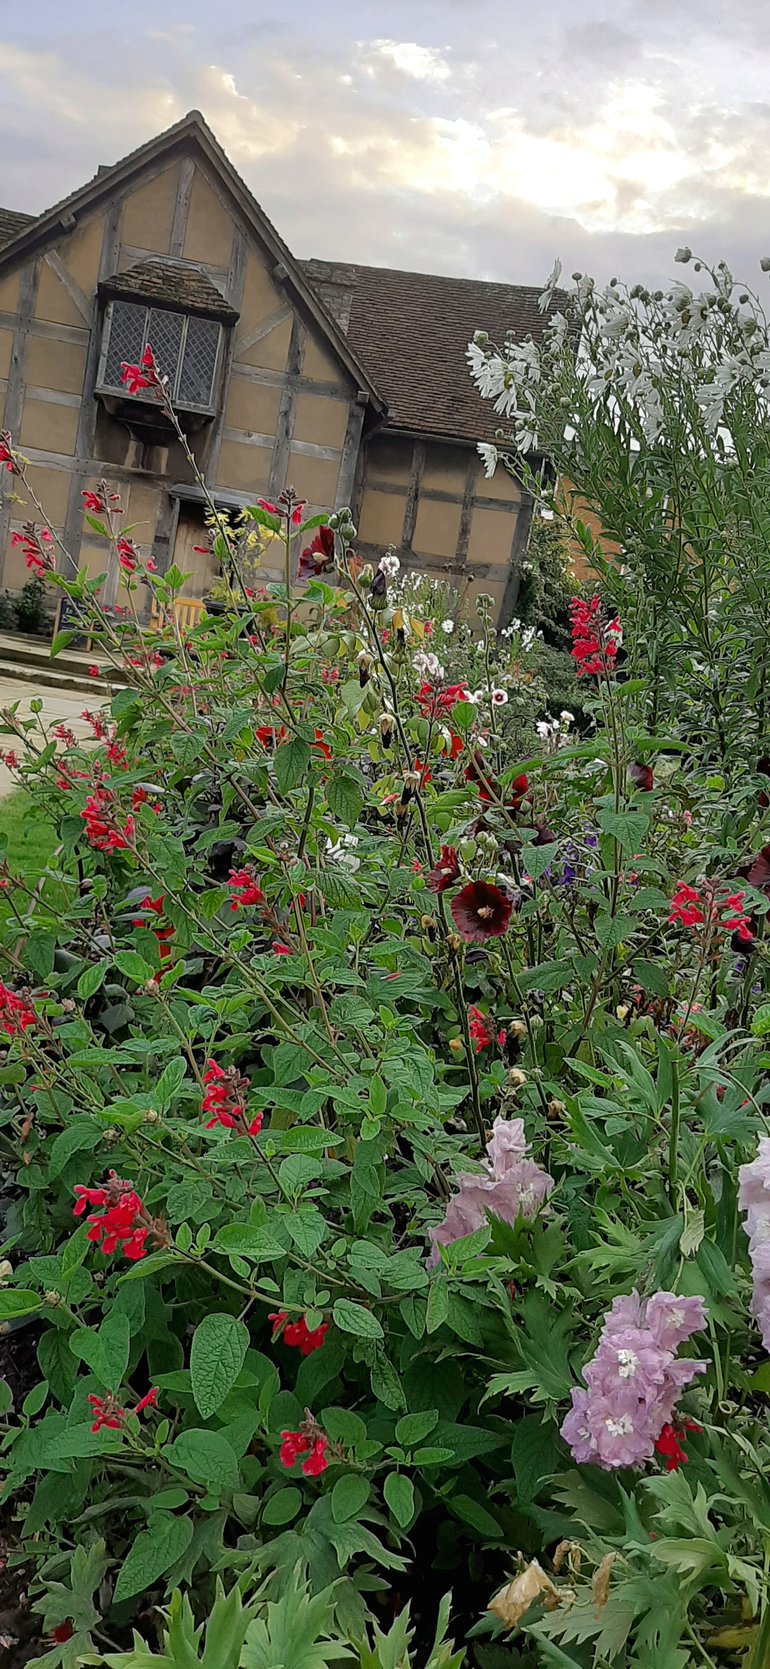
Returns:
(419,63)
(485,151)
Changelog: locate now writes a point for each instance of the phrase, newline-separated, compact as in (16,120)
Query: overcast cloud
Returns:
(475,137)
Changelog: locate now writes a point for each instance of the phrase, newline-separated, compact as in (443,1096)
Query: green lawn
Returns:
(31,840)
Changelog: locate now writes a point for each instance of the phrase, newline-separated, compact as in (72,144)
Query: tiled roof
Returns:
(11,222)
(411,330)
(173,284)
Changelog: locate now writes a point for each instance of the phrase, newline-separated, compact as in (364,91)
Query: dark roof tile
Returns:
(411,330)
(13,221)
(171,284)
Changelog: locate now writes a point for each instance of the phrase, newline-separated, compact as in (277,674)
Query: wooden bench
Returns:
(187,610)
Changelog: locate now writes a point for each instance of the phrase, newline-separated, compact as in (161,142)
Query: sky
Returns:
(481,138)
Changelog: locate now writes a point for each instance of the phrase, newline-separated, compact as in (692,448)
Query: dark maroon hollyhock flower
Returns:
(763,770)
(641,776)
(445,872)
(318,555)
(757,870)
(479,770)
(544,836)
(480,912)
(517,791)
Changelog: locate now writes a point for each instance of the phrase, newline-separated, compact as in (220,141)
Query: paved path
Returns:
(59,706)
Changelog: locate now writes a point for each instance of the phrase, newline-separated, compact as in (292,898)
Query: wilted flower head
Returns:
(445,872)
(509,1185)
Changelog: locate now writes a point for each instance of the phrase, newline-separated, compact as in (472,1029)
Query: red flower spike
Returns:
(16,1013)
(225,1100)
(92,502)
(440,701)
(481,911)
(595,641)
(149,1400)
(686,906)
(297,1333)
(480,1030)
(316,1462)
(107,1413)
(244,889)
(445,872)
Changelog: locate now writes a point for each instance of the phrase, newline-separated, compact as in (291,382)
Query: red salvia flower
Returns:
(10,759)
(141,376)
(708,908)
(321,745)
(281,950)
(123,1223)
(595,641)
(297,1333)
(669,1446)
(7,456)
(149,1400)
(16,1012)
(94,672)
(225,1100)
(103,831)
(480,1029)
(686,906)
(107,1413)
(244,889)
(434,701)
(480,772)
(92,501)
(481,911)
(295,1443)
(128,555)
(445,872)
(265,504)
(35,544)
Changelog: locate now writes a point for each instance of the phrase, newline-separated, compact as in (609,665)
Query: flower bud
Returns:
(517,1029)
(515,1077)
(684,254)
(52,1299)
(151,1116)
(454,942)
(6,1269)
(765,263)
(456,1046)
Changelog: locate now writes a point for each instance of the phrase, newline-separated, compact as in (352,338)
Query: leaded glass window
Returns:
(186,349)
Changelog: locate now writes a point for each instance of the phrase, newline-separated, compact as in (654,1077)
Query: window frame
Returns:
(147,308)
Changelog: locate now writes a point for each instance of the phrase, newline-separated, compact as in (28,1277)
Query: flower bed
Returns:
(383,1109)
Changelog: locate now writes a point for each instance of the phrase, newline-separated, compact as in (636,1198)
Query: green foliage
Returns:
(251,1033)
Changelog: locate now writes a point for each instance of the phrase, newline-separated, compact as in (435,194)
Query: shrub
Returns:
(30,609)
(376,1098)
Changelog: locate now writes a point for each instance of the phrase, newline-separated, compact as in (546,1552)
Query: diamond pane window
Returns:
(125,341)
(199,362)
(185,346)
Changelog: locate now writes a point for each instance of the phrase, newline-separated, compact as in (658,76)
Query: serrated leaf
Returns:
(353,1318)
(90,980)
(291,762)
(207,1458)
(154,1551)
(399,1495)
(130,963)
(344,798)
(217,1354)
(692,1233)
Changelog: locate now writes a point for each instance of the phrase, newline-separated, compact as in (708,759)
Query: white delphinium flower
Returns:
(448,626)
(427,665)
(527,638)
(389,566)
(499,698)
(489,457)
(550,285)
(343,851)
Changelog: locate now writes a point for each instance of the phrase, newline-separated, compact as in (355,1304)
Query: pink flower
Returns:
(508,1185)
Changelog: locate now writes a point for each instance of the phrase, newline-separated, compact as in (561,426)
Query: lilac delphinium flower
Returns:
(634,1380)
(754,1199)
(509,1184)
(570,869)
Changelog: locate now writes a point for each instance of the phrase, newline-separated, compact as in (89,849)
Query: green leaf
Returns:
(353,1318)
(292,761)
(218,1349)
(344,798)
(438,1304)
(307,1229)
(760,1024)
(628,828)
(414,1427)
(155,1550)
(61,641)
(90,980)
(168,1083)
(246,1242)
(207,1458)
(130,963)
(18,1302)
(106,1352)
(471,1512)
(349,1495)
(81,1134)
(399,1494)
(282,1507)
